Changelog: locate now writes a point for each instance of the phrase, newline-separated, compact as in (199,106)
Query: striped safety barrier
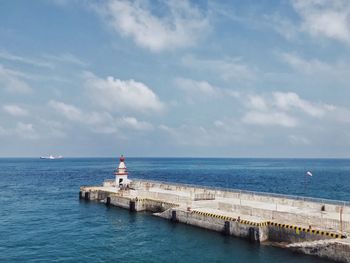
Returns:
(269,223)
(228,218)
(307,230)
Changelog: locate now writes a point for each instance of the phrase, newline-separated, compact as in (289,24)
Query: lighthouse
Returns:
(121,174)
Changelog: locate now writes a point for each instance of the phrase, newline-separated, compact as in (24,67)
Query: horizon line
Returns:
(176,157)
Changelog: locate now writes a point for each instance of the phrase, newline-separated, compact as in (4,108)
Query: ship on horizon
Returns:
(51,157)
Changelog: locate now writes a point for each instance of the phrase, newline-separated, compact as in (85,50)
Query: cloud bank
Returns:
(180,26)
(323,18)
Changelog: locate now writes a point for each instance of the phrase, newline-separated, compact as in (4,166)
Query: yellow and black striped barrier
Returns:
(269,223)
(307,230)
(228,218)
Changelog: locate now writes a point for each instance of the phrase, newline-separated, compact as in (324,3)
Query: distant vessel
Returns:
(51,157)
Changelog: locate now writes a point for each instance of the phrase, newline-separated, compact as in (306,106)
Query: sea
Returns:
(43,220)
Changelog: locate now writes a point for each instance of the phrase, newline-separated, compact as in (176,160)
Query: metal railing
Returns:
(239,191)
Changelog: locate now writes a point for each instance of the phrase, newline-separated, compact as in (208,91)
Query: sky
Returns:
(175,78)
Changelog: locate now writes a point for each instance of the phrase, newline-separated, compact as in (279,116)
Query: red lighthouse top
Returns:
(121,170)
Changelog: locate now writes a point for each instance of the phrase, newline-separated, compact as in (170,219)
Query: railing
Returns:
(204,196)
(294,197)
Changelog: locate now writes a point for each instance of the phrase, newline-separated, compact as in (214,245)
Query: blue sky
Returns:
(175,78)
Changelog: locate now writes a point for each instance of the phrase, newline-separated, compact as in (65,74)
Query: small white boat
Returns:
(51,157)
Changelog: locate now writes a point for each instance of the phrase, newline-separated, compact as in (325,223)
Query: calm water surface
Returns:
(41,218)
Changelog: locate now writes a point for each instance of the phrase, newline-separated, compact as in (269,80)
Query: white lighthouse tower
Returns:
(121,174)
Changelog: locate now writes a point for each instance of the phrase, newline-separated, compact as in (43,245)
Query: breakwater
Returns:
(312,226)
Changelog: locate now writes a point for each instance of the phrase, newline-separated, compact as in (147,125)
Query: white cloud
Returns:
(48,61)
(339,114)
(180,25)
(12,82)
(67,58)
(133,123)
(52,128)
(324,18)
(227,69)
(282,108)
(257,102)
(68,111)
(298,140)
(219,133)
(120,96)
(189,135)
(34,62)
(202,90)
(306,66)
(275,108)
(288,100)
(99,122)
(22,130)
(98,118)
(15,110)
(281,24)
(321,19)
(219,123)
(26,131)
(318,71)
(269,118)
(197,87)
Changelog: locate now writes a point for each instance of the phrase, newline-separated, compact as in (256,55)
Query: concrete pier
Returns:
(306,225)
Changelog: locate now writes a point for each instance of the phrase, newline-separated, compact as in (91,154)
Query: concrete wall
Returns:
(200,221)
(169,197)
(335,251)
(150,205)
(280,216)
(243,196)
(119,201)
(291,235)
(89,194)
(217,224)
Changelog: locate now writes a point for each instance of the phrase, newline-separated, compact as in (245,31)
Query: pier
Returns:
(318,227)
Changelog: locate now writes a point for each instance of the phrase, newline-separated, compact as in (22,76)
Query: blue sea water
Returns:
(42,219)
